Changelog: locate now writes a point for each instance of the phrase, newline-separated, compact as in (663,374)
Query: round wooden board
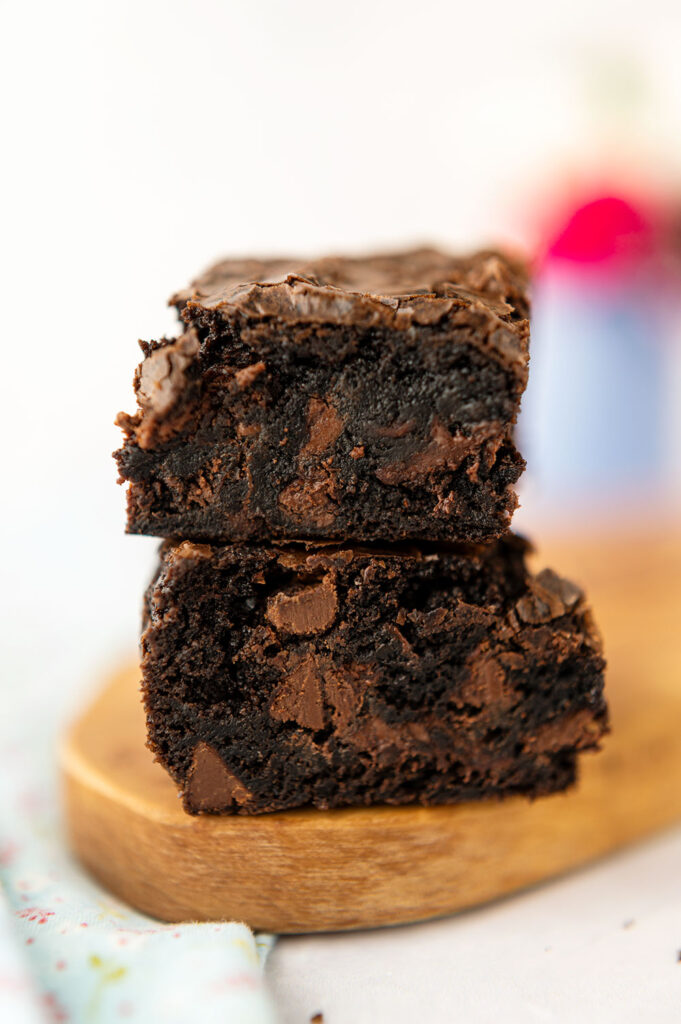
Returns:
(304,871)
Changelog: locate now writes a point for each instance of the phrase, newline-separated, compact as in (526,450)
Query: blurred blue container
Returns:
(595,416)
(601,419)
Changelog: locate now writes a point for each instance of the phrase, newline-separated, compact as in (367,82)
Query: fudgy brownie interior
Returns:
(288,677)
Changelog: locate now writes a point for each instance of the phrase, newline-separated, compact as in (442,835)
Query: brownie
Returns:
(366,399)
(289,676)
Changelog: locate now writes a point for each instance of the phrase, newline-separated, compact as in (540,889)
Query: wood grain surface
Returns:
(311,870)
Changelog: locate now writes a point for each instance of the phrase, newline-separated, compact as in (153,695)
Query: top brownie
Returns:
(370,398)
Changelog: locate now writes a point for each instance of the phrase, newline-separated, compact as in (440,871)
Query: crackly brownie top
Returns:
(417,286)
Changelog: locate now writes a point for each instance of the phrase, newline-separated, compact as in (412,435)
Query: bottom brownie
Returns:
(280,677)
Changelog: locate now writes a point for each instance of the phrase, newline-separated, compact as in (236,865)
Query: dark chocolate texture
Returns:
(368,399)
(283,677)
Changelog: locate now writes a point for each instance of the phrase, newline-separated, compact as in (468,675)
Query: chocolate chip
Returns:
(308,610)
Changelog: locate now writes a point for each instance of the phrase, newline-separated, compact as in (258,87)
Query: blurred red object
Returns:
(604,229)
(608,234)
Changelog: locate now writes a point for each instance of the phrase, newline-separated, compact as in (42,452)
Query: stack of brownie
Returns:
(340,614)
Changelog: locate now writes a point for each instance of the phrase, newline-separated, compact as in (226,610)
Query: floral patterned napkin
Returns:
(71,952)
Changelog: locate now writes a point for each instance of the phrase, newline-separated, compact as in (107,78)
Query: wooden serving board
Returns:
(312,870)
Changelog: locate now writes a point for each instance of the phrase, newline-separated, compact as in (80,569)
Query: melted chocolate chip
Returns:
(211,785)
(308,610)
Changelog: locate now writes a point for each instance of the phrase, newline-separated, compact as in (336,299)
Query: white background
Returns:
(140,140)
